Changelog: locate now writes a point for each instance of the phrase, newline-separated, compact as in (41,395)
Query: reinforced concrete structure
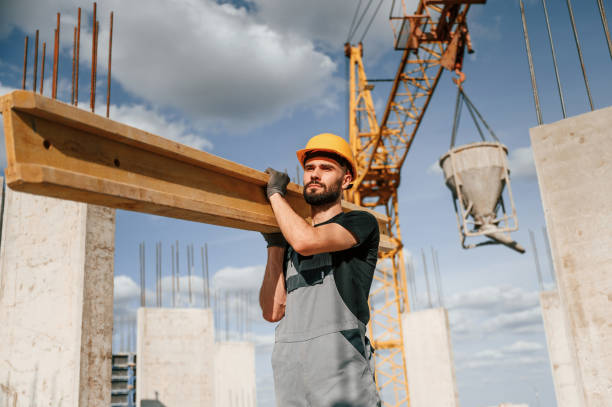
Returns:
(559,353)
(175,357)
(235,374)
(573,159)
(429,359)
(56,302)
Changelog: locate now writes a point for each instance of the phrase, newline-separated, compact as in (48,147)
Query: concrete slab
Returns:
(176,355)
(559,353)
(235,374)
(56,302)
(573,159)
(429,359)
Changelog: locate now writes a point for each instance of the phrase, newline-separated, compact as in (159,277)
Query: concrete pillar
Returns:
(429,359)
(175,357)
(56,302)
(573,159)
(235,374)
(559,353)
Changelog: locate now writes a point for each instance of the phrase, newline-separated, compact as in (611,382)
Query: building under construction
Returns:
(69,169)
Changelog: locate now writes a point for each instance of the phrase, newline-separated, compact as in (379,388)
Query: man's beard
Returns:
(324,197)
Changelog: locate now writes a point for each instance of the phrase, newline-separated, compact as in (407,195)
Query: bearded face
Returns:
(317,193)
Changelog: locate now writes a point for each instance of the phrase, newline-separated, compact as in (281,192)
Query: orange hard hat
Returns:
(329,143)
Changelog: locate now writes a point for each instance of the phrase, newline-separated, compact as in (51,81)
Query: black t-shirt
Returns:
(354,267)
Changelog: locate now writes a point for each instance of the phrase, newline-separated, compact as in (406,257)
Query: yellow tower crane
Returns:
(433,38)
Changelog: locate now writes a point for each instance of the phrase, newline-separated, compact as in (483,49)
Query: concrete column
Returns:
(429,359)
(175,357)
(235,374)
(573,159)
(56,302)
(559,353)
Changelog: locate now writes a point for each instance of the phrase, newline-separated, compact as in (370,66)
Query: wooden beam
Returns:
(55,149)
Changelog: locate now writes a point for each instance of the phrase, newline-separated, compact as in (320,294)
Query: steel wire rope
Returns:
(579,49)
(365,11)
(554,57)
(469,103)
(456,118)
(348,35)
(371,20)
(604,22)
(534,85)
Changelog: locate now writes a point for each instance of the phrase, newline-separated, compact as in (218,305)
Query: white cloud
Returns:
(154,121)
(239,278)
(523,346)
(521,163)
(498,299)
(217,62)
(523,321)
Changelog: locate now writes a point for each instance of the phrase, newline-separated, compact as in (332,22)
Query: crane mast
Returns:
(433,38)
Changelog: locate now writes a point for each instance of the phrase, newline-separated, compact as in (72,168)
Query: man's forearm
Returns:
(273,295)
(293,226)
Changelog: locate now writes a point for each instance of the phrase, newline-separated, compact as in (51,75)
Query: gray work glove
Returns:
(275,239)
(277,183)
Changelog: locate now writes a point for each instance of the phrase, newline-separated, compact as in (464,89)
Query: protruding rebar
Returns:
(536,259)
(78,51)
(426,278)
(92,92)
(551,265)
(56,58)
(173,279)
(110,55)
(178,274)
(42,67)
(554,57)
(143,298)
(534,86)
(25,62)
(189,266)
(73,64)
(35,75)
(604,22)
(207,276)
(579,49)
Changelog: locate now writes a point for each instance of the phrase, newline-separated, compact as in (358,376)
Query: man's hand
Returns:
(277,183)
(275,239)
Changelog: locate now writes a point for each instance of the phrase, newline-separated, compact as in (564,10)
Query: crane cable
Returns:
(474,113)
(371,20)
(352,33)
(348,35)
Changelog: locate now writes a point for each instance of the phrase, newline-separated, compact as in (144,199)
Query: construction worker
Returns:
(317,282)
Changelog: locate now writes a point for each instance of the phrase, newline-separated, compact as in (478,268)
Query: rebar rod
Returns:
(604,22)
(56,57)
(426,278)
(73,64)
(92,91)
(42,67)
(579,49)
(189,272)
(35,75)
(25,63)
(110,55)
(78,51)
(173,279)
(178,274)
(534,85)
(536,259)
(551,265)
(204,294)
(554,58)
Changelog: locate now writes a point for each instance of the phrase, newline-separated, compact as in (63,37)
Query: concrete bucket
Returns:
(476,174)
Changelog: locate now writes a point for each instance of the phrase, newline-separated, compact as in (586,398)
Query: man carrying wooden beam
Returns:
(317,282)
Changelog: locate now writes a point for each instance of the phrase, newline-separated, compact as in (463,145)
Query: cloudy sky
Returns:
(251,81)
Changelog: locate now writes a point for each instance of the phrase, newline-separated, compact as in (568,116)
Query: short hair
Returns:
(343,162)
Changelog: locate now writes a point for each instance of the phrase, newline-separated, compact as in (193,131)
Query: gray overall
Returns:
(316,360)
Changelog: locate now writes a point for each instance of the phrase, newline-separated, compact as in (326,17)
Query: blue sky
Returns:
(252,81)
